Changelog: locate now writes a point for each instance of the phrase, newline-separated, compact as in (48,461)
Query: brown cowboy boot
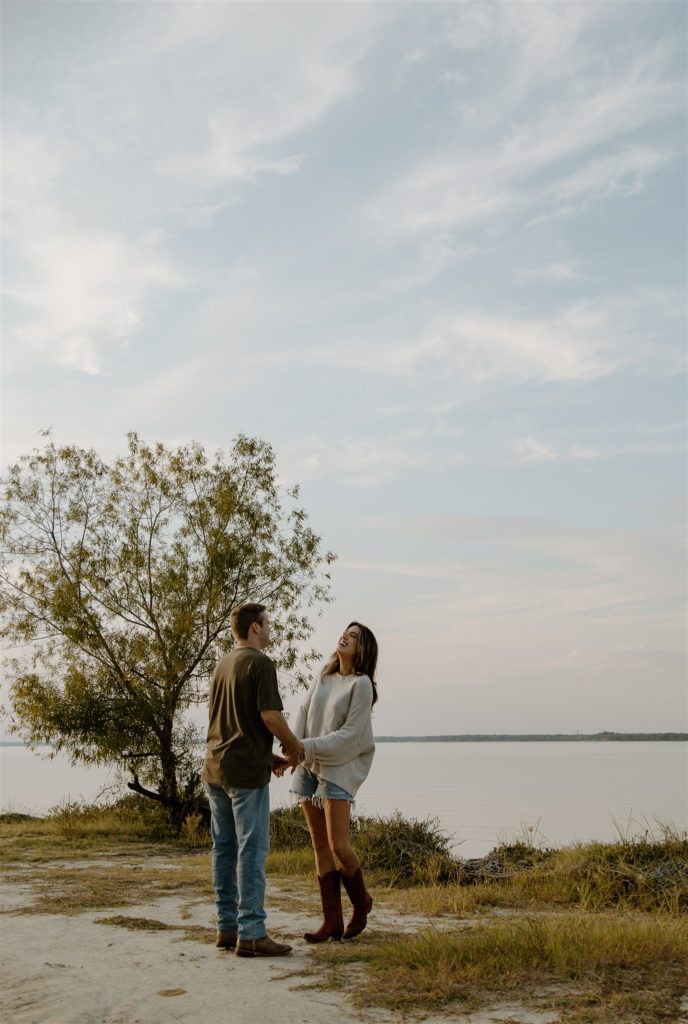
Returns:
(225,940)
(331,898)
(262,947)
(362,903)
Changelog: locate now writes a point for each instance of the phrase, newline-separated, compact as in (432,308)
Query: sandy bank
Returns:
(71,969)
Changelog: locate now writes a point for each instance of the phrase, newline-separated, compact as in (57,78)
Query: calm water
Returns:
(480,792)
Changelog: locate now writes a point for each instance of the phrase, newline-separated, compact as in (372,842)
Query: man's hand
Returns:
(277,724)
(279,765)
(292,752)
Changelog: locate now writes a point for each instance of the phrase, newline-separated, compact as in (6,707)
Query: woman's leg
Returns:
(337,816)
(332,926)
(317,826)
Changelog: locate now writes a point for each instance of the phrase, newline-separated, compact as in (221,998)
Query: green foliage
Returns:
(536,959)
(646,873)
(116,585)
(400,850)
(131,816)
(288,829)
(649,872)
(406,850)
(195,832)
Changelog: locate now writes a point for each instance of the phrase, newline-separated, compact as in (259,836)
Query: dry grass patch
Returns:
(633,969)
(648,874)
(192,932)
(137,924)
(294,863)
(65,889)
(396,850)
(77,831)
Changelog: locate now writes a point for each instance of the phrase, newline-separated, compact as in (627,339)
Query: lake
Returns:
(479,792)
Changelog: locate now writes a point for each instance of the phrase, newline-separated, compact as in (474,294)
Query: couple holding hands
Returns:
(330,751)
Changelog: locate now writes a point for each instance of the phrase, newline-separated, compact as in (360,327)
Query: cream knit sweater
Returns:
(334,723)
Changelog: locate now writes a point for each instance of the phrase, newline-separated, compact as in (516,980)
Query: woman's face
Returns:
(347,642)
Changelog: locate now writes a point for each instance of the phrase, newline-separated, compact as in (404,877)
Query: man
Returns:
(245,712)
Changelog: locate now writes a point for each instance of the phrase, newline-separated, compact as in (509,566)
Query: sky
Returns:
(435,254)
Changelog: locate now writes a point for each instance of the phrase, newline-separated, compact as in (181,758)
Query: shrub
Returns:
(648,873)
(194,831)
(132,815)
(406,850)
(288,829)
(402,850)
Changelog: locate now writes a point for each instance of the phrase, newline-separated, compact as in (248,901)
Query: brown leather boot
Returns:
(261,947)
(225,940)
(362,903)
(331,898)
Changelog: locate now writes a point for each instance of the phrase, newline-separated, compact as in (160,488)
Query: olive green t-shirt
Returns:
(239,745)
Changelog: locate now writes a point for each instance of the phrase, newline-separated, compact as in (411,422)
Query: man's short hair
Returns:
(243,615)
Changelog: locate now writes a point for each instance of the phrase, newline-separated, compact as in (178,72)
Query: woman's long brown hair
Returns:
(365,661)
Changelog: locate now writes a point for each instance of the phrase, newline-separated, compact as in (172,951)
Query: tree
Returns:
(116,583)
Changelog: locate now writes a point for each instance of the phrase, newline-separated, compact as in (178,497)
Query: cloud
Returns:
(364,463)
(263,97)
(77,293)
(581,341)
(210,92)
(516,161)
(507,566)
(623,174)
(571,345)
(554,272)
(536,43)
(530,449)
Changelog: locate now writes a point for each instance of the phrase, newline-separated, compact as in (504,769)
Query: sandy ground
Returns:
(71,970)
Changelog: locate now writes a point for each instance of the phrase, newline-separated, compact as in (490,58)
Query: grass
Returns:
(291,863)
(408,858)
(138,924)
(195,932)
(68,889)
(76,830)
(596,932)
(649,874)
(395,850)
(602,967)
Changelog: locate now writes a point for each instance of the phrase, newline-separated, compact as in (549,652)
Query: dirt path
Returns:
(71,969)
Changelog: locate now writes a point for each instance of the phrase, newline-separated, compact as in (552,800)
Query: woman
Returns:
(335,728)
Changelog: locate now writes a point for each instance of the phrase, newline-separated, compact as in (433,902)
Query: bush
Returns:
(402,850)
(647,872)
(288,829)
(518,855)
(131,815)
(406,850)
(194,831)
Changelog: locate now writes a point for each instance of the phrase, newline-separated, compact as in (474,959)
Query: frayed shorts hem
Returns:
(308,786)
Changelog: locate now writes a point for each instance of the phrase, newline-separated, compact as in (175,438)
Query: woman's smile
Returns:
(348,640)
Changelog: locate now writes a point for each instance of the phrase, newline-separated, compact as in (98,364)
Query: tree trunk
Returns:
(179,809)
(180,803)
(169,786)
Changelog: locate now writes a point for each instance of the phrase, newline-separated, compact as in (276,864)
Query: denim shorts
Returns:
(308,786)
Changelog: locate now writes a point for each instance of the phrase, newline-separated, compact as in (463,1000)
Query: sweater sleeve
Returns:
(299,726)
(344,744)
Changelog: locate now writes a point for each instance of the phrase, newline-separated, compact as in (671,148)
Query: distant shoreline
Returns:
(597,737)
(562,737)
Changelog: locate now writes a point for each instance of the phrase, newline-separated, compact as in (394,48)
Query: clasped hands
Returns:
(292,752)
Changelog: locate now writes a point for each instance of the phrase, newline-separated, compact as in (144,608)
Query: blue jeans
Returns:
(240,828)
